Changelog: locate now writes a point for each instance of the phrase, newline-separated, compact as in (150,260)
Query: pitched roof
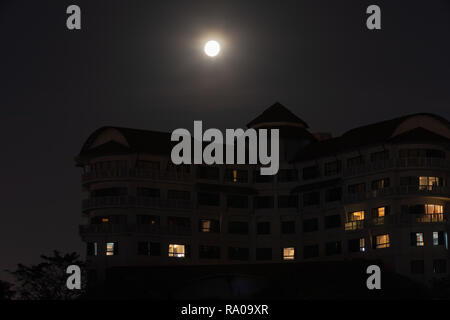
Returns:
(277,113)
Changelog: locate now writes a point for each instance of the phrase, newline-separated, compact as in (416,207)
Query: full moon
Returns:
(212,48)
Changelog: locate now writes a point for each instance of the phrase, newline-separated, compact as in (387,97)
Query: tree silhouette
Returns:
(47,280)
(5,291)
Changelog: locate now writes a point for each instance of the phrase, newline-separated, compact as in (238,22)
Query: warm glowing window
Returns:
(362,244)
(427,183)
(433,208)
(177,250)
(381,211)
(234,175)
(105,220)
(205,225)
(111,248)
(356,215)
(289,253)
(382,241)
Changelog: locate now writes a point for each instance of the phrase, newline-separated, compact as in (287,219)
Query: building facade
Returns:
(376,192)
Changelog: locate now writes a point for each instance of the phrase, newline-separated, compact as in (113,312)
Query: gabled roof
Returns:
(277,113)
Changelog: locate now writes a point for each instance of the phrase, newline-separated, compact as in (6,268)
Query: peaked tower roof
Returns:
(277,114)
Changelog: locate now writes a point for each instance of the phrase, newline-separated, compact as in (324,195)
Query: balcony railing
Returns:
(425,218)
(435,163)
(399,190)
(109,228)
(133,201)
(135,173)
(354,225)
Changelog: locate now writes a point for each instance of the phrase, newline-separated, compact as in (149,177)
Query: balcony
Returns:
(354,225)
(134,174)
(425,218)
(136,202)
(433,163)
(109,228)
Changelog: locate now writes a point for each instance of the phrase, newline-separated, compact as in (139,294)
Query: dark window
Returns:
(356,245)
(182,222)
(207,172)
(148,192)
(259,178)
(112,219)
(287,227)
(440,266)
(109,192)
(263,202)
(409,181)
(287,175)
(148,165)
(263,254)
(439,238)
(92,249)
(380,184)
(147,219)
(209,252)
(288,201)
(179,195)
(379,156)
(311,251)
(237,201)
(238,227)
(334,194)
(263,227)
(311,172)
(356,188)
(238,253)
(333,221)
(209,225)
(355,161)
(311,198)
(417,266)
(333,168)
(421,153)
(310,225)
(236,175)
(332,248)
(208,199)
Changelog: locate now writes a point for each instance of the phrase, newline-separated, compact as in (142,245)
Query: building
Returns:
(376,192)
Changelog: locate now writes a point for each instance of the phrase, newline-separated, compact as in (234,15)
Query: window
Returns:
(333,221)
(310,225)
(440,266)
(380,212)
(92,249)
(332,248)
(433,208)
(382,241)
(209,252)
(355,161)
(263,202)
(287,227)
(428,183)
(208,199)
(259,178)
(421,153)
(311,198)
(178,195)
(333,168)
(177,250)
(288,201)
(109,192)
(148,192)
(112,248)
(311,251)
(147,219)
(241,254)
(357,245)
(380,184)
(146,248)
(417,239)
(287,175)
(236,175)
(356,188)
(263,254)
(148,165)
(311,172)
(263,227)
(208,173)
(178,222)
(334,194)
(417,267)
(237,201)
(440,238)
(356,215)
(289,253)
(209,225)
(238,227)
(379,156)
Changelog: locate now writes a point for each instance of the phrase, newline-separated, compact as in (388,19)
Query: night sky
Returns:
(141,64)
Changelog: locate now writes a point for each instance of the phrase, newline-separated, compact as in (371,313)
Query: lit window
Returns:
(234,175)
(419,239)
(427,183)
(381,212)
(105,220)
(205,225)
(362,244)
(289,253)
(111,248)
(356,215)
(177,250)
(435,238)
(382,241)
(433,208)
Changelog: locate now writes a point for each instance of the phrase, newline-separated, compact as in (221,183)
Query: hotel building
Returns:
(376,192)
